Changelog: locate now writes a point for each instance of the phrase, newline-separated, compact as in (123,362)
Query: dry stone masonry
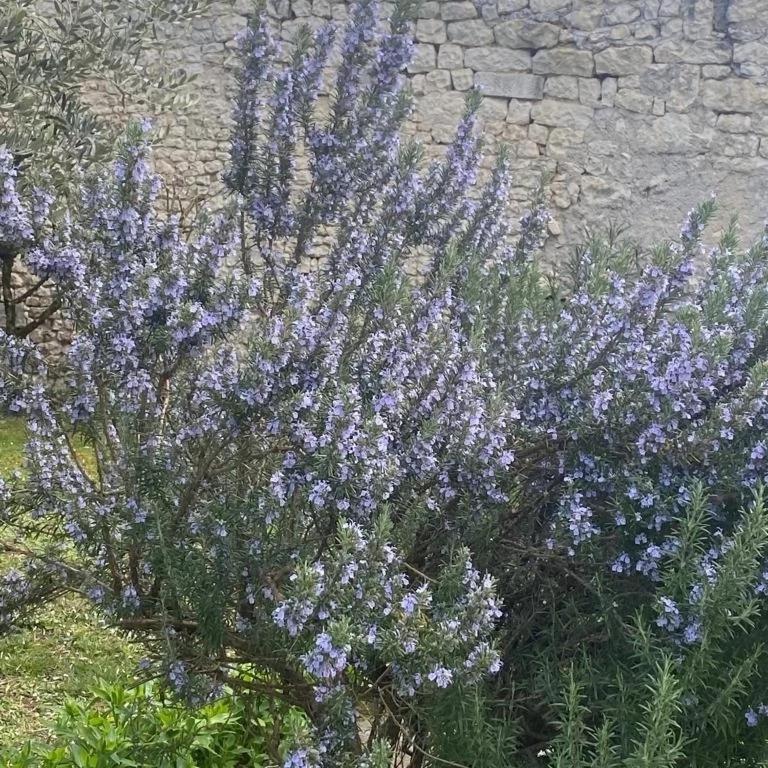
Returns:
(631,112)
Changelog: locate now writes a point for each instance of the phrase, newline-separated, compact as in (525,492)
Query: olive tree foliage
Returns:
(49,133)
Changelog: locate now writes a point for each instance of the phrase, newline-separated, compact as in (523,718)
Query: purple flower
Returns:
(326,660)
(409,603)
(669,615)
(441,676)
(178,676)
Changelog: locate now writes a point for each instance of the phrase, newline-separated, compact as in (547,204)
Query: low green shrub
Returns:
(144,726)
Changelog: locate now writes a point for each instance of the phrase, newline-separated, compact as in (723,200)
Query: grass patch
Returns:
(63,654)
(11,444)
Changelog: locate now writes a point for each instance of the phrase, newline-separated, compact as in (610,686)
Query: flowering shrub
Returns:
(266,440)
(696,699)
(313,469)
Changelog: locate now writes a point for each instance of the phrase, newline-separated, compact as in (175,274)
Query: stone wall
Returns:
(631,111)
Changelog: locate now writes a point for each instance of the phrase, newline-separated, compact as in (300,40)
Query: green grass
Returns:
(62,655)
(11,444)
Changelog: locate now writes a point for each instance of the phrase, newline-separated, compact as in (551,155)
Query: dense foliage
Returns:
(51,50)
(143,726)
(475,516)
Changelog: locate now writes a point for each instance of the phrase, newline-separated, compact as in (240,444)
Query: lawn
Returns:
(62,655)
(11,444)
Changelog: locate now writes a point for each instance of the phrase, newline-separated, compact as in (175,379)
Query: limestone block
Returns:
(437,80)
(522,33)
(589,90)
(496,59)
(280,9)
(458,11)
(563,61)
(734,123)
(609,193)
(562,87)
(419,85)
(510,6)
(632,100)
(669,8)
(554,227)
(622,33)
(493,113)
(696,52)
(733,95)
(549,6)
(562,113)
(489,11)
(473,32)
(462,79)
(519,113)
(538,133)
(698,23)
(515,86)
(210,51)
(440,113)
(671,28)
(760,124)
(645,31)
(514,133)
(321,8)
(339,12)
(563,140)
(624,60)
(450,56)
(301,7)
(736,145)
(228,27)
(752,71)
(584,18)
(677,84)
(424,58)
(624,13)
(659,106)
(716,71)
(431,31)
(429,10)
(527,148)
(744,11)
(753,52)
